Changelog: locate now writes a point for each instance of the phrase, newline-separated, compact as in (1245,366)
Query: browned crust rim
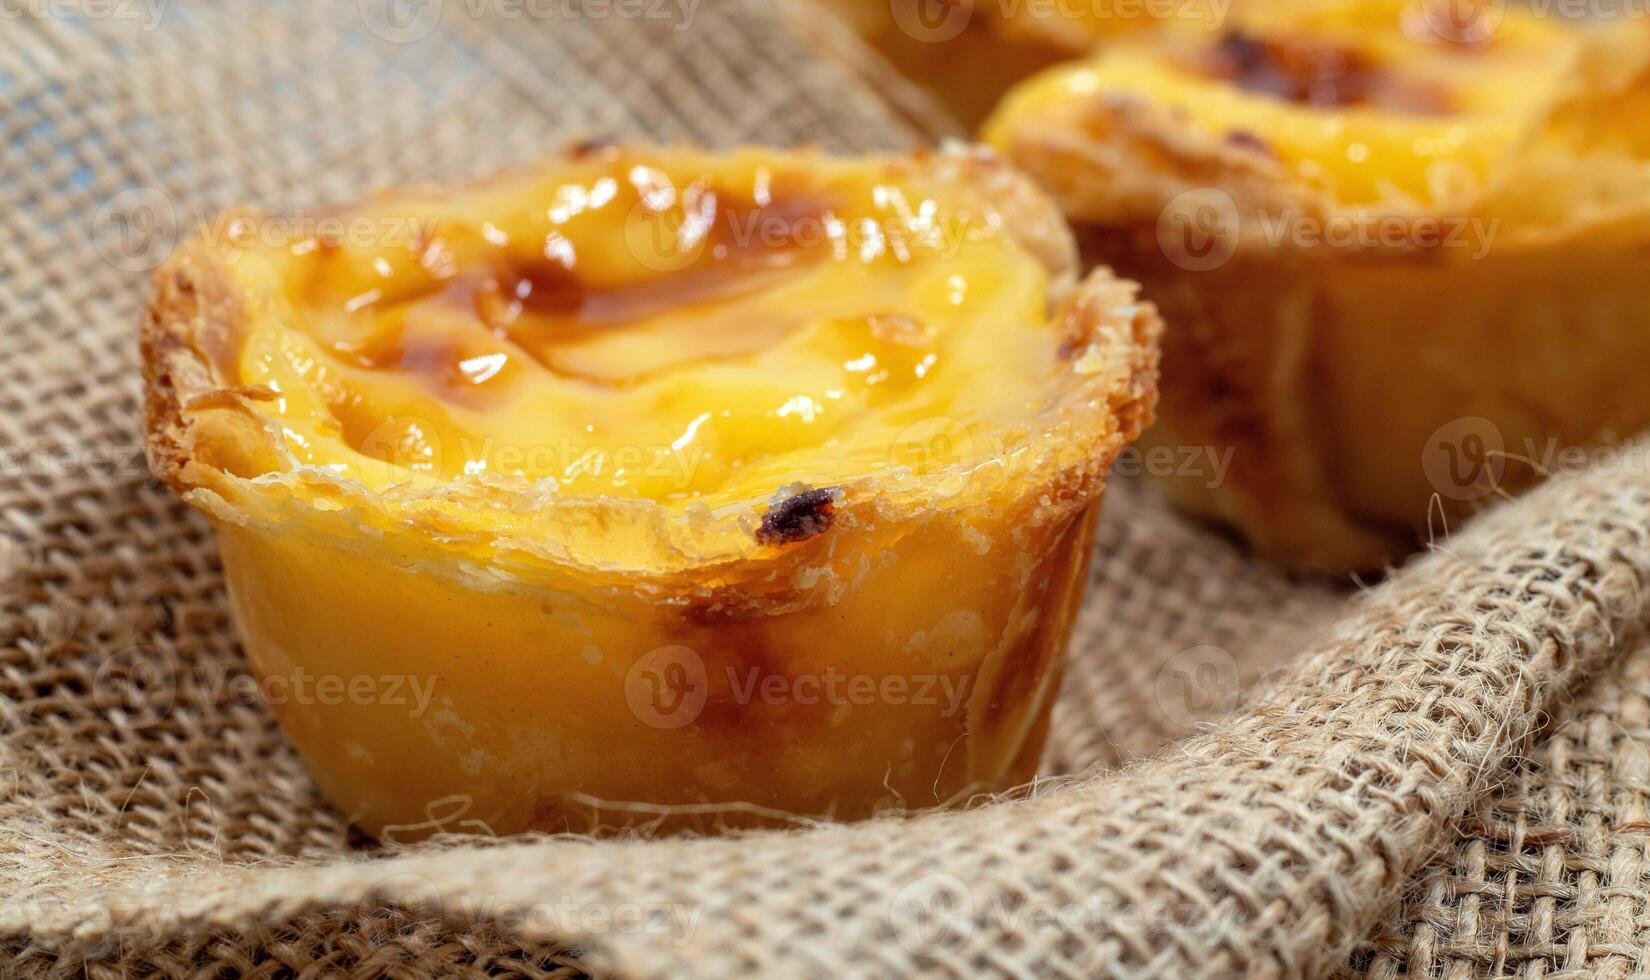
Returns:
(194,294)
(189,290)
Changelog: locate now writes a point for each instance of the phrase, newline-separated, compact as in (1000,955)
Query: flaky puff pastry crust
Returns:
(882,628)
(1412,329)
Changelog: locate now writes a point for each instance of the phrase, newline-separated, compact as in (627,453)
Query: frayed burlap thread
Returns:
(1546,877)
(1388,799)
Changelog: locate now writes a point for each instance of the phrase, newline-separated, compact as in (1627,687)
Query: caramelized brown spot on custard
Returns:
(709,249)
(798,517)
(427,339)
(1318,73)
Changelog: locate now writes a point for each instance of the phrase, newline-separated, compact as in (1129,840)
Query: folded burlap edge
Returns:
(1267,846)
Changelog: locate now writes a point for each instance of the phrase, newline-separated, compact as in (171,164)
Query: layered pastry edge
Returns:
(192,410)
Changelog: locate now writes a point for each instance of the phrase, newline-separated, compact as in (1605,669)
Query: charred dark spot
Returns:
(1245,140)
(798,517)
(1312,74)
(591,146)
(1318,73)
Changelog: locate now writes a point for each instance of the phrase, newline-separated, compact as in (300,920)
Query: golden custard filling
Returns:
(1342,202)
(629,457)
(1368,102)
(633,327)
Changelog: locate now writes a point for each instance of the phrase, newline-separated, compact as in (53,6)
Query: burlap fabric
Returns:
(1426,784)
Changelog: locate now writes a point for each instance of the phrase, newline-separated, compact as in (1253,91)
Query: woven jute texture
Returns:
(1444,775)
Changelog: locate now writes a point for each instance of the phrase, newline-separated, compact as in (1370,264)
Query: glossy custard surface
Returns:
(1367,101)
(666,327)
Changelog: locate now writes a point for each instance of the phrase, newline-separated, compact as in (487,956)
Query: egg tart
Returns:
(653,488)
(968,53)
(1401,246)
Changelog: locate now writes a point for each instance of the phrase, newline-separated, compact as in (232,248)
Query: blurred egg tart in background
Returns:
(967,53)
(1400,245)
(699,490)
